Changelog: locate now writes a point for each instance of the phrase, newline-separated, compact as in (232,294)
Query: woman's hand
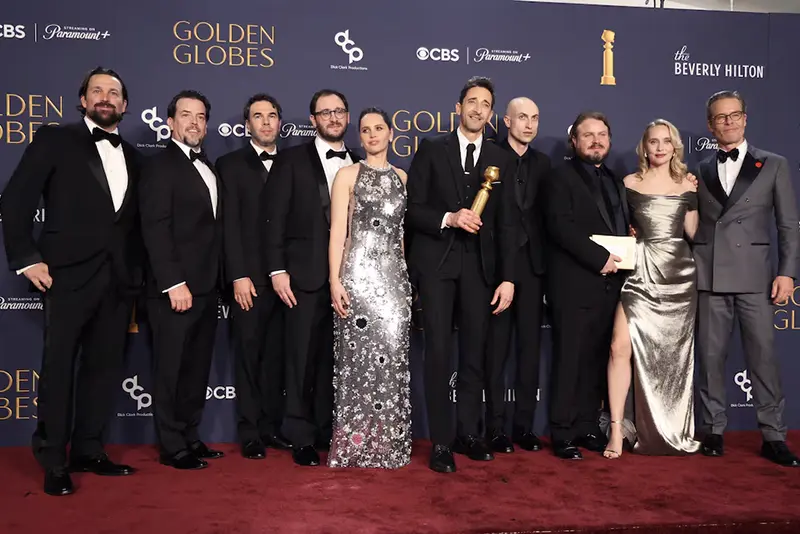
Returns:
(340,300)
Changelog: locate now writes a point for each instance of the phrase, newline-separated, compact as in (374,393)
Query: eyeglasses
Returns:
(736,116)
(326,113)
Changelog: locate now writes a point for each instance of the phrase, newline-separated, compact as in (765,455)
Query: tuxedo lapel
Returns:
(322,180)
(255,163)
(593,192)
(93,159)
(195,178)
(710,175)
(132,176)
(623,199)
(747,175)
(454,158)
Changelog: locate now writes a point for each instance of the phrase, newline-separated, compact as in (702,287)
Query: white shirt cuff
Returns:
(20,271)
(242,278)
(444,221)
(273,273)
(173,287)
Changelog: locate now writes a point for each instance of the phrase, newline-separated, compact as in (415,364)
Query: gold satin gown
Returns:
(659,298)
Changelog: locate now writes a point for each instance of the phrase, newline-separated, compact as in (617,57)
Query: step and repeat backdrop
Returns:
(410,58)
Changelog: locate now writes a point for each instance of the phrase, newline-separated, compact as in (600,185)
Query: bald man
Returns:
(522,121)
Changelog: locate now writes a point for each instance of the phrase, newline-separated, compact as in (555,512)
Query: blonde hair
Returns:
(677,168)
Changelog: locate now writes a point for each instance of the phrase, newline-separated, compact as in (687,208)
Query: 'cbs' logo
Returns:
(437,54)
(10,31)
(150,117)
(221,392)
(348,46)
(237,130)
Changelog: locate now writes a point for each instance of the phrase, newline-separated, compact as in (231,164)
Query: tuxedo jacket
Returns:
(243,177)
(182,238)
(732,244)
(297,217)
(437,185)
(530,220)
(81,230)
(574,210)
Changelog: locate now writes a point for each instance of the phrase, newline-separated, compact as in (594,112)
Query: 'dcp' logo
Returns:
(744,384)
(150,118)
(131,387)
(348,46)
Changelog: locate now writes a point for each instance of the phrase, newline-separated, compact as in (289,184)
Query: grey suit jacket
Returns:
(732,244)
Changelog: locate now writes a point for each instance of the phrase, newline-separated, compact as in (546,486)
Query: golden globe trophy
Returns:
(608,58)
(490,175)
(133,327)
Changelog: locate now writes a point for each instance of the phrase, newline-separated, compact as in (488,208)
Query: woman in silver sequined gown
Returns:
(656,316)
(371,295)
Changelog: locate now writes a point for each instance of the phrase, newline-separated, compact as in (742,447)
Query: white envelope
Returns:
(622,246)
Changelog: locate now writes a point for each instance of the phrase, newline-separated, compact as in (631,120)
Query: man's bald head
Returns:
(522,119)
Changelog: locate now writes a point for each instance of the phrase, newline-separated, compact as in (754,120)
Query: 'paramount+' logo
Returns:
(83,33)
(290,129)
(700,144)
(136,392)
(158,125)
(353,52)
(499,56)
(741,379)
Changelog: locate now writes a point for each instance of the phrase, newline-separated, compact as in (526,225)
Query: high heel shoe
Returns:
(610,453)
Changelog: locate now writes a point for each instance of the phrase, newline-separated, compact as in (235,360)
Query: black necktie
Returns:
(723,156)
(336,154)
(98,134)
(469,164)
(198,155)
(266,157)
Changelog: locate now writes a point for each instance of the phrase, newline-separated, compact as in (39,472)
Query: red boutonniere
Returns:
(759,164)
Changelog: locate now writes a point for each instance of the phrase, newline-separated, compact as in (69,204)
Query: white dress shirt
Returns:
(729,171)
(331,165)
(210,181)
(113,159)
(462,146)
(267,163)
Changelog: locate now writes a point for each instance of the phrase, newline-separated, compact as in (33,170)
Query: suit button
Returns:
(747,200)
(738,245)
(739,221)
(719,222)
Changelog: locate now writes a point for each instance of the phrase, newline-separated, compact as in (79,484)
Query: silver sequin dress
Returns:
(372,413)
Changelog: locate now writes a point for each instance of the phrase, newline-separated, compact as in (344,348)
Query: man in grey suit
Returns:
(740,188)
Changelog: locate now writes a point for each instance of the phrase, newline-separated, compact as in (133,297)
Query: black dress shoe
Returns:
(501,443)
(99,465)
(566,450)
(306,456)
(183,460)
(57,482)
(474,448)
(200,450)
(442,460)
(778,452)
(592,442)
(527,440)
(713,445)
(276,441)
(254,450)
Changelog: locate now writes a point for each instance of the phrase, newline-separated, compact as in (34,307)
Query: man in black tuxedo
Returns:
(257,312)
(454,257)
(522,121)
(87,264)
(582,197)
(182,228)
(297,211)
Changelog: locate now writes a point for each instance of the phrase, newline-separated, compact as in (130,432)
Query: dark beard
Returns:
(329,139)
(104,121)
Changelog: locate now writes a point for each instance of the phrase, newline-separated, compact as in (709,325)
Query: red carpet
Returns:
(521,492)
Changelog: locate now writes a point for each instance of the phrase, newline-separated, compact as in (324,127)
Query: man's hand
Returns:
(631,230)
(243,293)
(465,219)
(39,274)
(281,283)
(505,295)
(782,288)
(692,179)
(610,266)
(180,298)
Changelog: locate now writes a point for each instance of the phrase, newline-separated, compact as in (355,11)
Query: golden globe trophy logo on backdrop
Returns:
(230,45)
(608,58)
(785,317)
(22,114)
(18,394)
(412,126)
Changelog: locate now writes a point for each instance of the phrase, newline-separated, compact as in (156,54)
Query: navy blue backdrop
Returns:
(410,58)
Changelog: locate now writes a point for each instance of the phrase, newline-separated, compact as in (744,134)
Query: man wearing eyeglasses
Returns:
(740,187)
(297,211)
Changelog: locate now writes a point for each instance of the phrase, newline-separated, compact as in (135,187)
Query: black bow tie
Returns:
(723,156)
(266,156)
(198,155)
(98,134)
(336,154)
